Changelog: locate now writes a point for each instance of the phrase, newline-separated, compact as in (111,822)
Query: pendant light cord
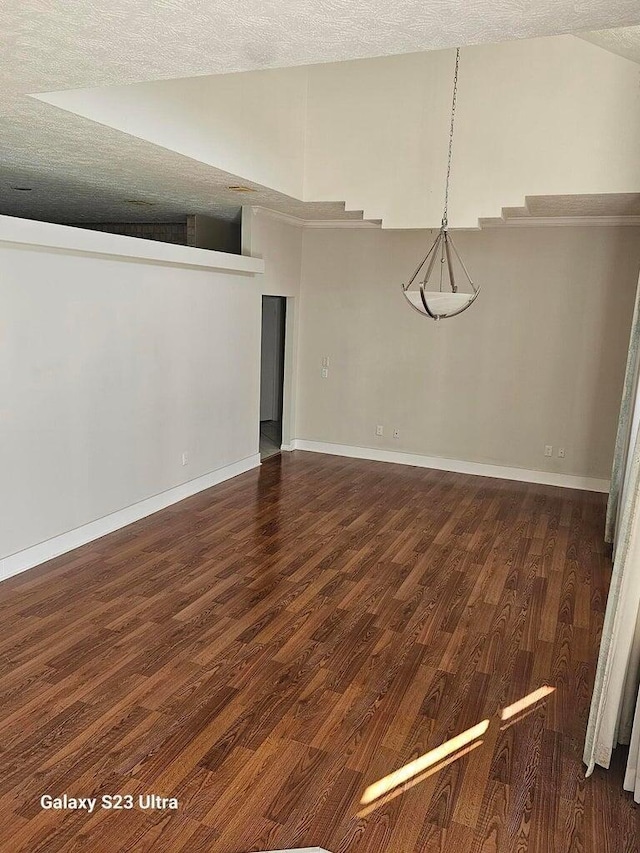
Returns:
(453,115)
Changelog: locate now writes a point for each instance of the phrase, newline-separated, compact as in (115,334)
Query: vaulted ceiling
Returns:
(80,170)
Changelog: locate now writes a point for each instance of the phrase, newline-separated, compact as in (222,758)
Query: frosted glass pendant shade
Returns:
(439,304)
(434,289)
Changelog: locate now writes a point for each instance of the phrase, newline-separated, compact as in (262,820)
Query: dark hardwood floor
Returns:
(267,649)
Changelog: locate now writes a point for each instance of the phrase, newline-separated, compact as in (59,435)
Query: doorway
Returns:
(272,374)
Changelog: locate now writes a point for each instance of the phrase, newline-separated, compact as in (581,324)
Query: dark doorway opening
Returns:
(272,374)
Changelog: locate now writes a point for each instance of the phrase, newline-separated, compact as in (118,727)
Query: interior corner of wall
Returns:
(246,217)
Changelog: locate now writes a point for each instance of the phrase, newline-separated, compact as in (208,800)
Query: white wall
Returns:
(539,358)
(110,369)
(535,117)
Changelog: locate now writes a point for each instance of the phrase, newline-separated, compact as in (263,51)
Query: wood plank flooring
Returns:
(267,649)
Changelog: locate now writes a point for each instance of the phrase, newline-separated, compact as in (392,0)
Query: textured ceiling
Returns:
(54,44)
(83,171)
(625,42)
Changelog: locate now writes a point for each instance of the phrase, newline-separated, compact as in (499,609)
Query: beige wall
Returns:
(539,358)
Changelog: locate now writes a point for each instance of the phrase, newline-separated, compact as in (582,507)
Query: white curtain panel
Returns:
(627,405)
(615,686)
(615,707)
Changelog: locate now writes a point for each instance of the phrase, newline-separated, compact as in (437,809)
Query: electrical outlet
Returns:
(548,450)
(185,458)
(325,373)
(396,433)
(325,361)
(561,452)
(379,430)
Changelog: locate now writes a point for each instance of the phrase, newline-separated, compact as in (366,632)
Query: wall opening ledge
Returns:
(32,234)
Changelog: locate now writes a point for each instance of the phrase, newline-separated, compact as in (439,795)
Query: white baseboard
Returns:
(40,553)
(459,466)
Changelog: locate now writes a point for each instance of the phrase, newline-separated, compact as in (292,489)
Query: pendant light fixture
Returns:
(435,294)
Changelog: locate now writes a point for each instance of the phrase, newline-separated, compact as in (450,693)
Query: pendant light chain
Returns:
(453,115)
(422,292)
